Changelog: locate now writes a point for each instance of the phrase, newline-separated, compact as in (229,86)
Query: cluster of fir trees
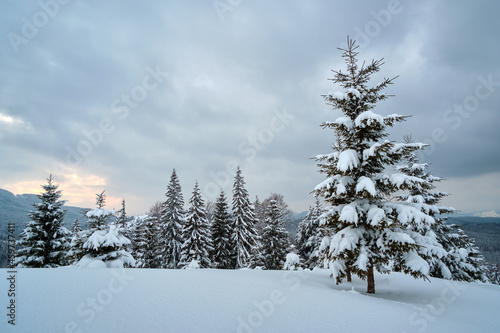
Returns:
(170,237)
(366,225)
(46,243)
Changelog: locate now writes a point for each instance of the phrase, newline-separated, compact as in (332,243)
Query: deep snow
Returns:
(142,300)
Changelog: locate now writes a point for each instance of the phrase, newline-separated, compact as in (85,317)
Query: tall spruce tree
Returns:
(274,237)
(460,259)
(173,218)
(223,247)
(196,233)
(104,244)
(44,242)
(244,234)
(367,230)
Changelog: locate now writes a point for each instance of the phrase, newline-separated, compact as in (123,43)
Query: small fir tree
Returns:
(44,242)
(309,235)
(172,222)
(222,253)
(75,253)
(104,244)
(244,235)
(198,243)
(274,238)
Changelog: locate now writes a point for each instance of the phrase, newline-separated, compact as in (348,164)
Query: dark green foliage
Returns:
(274,238)
(172,223)
(44,242)
(223,248)
(244,235)
(197,244)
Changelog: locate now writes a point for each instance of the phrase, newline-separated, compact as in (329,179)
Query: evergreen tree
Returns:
(221,234)
(260,216)
(274,238)
(459,259)
(146,242)
(365,229)
(172,222)
(121,216)
(121,224)
(196,232)
(44,242)
(309,235)
(76,243)
(244,235)
(104,244)
(286,213)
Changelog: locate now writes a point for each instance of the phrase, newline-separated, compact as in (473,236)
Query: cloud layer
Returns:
(116,94)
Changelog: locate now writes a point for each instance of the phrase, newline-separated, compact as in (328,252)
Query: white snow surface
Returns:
(204,300)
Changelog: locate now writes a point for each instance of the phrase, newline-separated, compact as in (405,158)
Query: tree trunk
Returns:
(371,281)
(348,273)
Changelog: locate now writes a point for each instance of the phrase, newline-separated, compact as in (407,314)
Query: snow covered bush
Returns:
(292,262)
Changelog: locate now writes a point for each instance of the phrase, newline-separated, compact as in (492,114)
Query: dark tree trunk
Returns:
(348,276)
(371,281)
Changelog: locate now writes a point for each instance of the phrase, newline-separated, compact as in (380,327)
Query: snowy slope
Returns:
(140,300)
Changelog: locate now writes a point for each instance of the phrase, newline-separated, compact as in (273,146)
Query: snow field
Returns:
(244,301)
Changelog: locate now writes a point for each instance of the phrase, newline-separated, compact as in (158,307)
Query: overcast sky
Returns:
(115,94)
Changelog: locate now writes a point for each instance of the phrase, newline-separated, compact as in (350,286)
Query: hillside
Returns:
(486,233)
(15,209)
(244,301)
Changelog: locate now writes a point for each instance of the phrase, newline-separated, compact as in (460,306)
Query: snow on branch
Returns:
(348,159)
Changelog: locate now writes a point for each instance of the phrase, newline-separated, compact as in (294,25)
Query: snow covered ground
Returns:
(140,300)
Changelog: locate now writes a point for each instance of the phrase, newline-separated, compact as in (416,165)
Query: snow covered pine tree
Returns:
(274,238)
(195,251)
(172,222)
(244,235)
(146,248)
(309,235)
(459,259)
(366,229)
(222,253)
(45,241)
(103,243)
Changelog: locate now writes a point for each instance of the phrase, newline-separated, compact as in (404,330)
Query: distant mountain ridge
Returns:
(15,209)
